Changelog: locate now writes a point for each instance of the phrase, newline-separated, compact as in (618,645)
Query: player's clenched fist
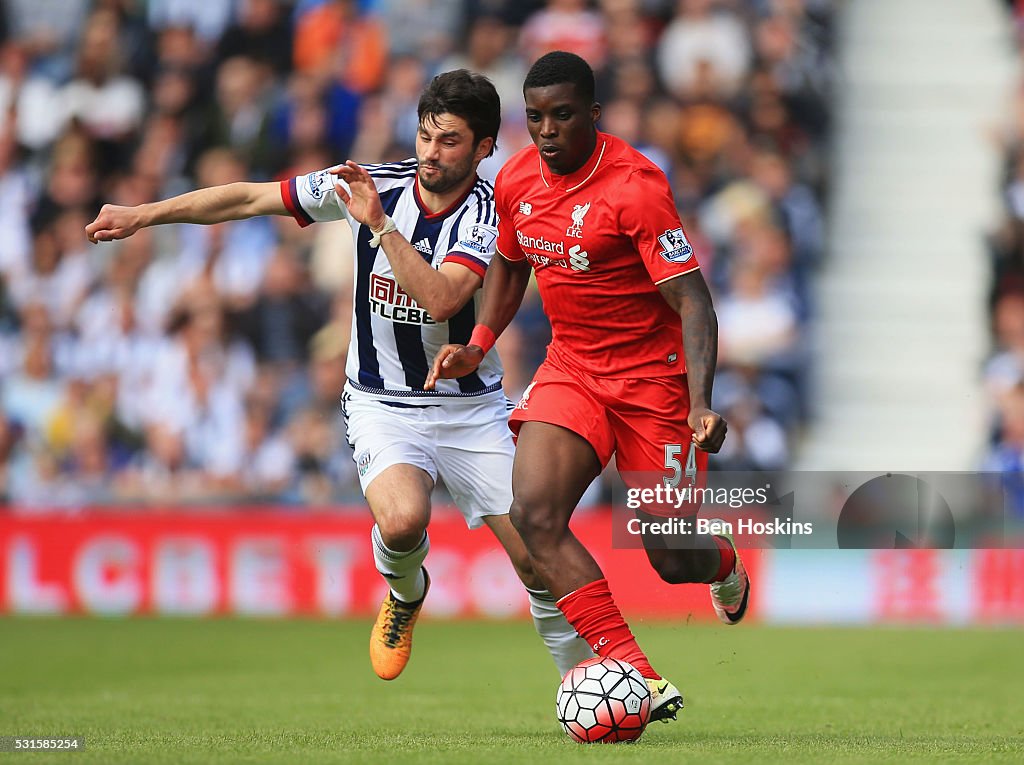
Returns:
(708,428)
(113,222)
(454,361)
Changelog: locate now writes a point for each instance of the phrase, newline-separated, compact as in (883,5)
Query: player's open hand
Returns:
(708,428)
(361,197)
(114,222)
(454,361)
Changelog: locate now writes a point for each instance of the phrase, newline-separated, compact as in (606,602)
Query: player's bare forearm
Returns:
(688,295)
(442,292)
(233,201)
(504,288)
(217,204)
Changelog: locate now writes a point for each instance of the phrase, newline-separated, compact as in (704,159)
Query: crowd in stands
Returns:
(193,364)
(1004,369)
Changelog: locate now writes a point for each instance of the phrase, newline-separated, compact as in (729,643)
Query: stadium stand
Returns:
(203,365)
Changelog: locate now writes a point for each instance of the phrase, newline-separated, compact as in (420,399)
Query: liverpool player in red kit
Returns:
(625,296)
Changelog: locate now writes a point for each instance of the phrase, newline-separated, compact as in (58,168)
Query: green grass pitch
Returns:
(175,691)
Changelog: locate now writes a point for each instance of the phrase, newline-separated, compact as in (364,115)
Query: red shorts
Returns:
(633,418)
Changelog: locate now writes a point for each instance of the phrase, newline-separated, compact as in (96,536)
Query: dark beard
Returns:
(449,178)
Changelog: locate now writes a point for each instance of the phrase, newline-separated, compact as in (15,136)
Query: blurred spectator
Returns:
(179,46)
(489,52)
(334,40)
(703,42)
(798,65)
(756,440)
(424,29)
(1004,372)
(16,196)
(268,464)
(756,321)
(280,324)
(794,205)
(262,32)
(312,117)
(101,98)
(405,81)
(710,135)
(565,25)
(161,472)
(8,437)
(624,118)
(88,464)
(629,71)
(1006,455)
(328,350)
(232,255)
(209,18)
(72,179)
(1006,452)
(194,404)
(239,119)
(58,278)
(32,394)
(512,12)
(45,30)
(320,461)
(285,315)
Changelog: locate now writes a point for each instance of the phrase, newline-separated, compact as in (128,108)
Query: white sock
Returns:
(403,570)
(566,647)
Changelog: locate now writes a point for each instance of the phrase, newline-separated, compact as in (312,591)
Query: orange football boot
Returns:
(391,637)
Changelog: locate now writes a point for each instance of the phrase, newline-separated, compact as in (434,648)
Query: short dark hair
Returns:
(464,94)
(559,67)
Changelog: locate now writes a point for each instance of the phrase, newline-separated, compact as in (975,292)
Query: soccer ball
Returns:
(603,700)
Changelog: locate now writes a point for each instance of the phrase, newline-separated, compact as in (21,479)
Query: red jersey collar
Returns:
(574,180)
(446,211)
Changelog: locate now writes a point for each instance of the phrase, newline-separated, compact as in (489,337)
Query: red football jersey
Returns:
(600,241)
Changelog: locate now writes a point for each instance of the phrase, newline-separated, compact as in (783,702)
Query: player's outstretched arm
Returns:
(504,288)
(232,201)
(689,297)
(443,291)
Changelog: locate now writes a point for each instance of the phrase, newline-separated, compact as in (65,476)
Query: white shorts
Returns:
(467,444)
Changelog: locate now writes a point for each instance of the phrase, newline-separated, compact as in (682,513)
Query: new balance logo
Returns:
(423,245)
(525,208)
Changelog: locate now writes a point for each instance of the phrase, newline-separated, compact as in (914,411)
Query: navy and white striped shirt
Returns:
(394,340)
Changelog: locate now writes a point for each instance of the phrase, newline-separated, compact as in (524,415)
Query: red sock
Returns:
(594,615)
(728,560)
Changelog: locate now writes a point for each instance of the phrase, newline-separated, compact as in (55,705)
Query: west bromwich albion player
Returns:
(424,232)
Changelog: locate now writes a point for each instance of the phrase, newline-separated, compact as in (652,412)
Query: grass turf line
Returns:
(170,691)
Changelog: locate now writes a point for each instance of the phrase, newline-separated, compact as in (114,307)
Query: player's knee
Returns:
(673,572)
(679,567)
(526,573)
(401,529)
(536,523)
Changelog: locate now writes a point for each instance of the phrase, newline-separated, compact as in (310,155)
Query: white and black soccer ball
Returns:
(603,700)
